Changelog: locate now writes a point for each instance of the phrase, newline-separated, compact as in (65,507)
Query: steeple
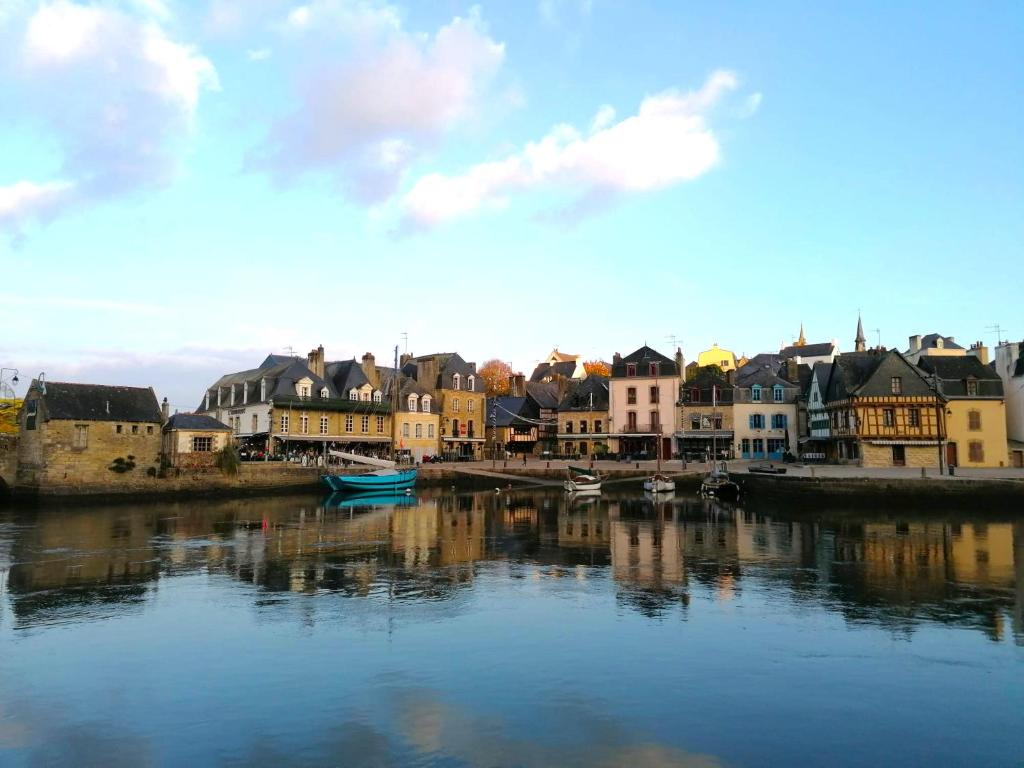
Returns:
(801,342)
(860,343)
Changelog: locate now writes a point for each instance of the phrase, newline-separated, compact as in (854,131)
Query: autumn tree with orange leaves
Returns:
(495,374)
(597,368)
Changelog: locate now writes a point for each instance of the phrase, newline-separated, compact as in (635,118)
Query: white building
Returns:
(1010,367)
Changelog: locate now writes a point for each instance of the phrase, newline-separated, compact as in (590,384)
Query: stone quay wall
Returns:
(8,462)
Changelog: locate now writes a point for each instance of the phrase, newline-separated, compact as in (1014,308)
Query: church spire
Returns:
(860,343)
(801,342)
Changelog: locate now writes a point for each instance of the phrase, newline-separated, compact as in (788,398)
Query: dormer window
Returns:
(471,383)
(413,400)
(378,396)
(755,393)
(425,404)
(653,369)
(896,384)
(777,393)
(324,393)
(972,388)
(631,369)
(456,381)
(263,390)
(304,390)
(353,394)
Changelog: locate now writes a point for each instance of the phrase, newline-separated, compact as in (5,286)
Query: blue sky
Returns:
(187,186)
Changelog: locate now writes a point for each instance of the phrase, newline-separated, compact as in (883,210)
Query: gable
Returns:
(879,383)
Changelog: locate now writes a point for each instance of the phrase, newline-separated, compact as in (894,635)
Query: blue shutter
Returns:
(785,421)
(751,421)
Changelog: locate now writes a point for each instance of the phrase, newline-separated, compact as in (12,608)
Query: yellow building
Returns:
(975,410)
(457,393)
(583,419)
(723,358)
(419,423)
(191,440)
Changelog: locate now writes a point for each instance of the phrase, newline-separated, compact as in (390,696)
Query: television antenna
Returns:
(878,337)
(673,340)
(998,329)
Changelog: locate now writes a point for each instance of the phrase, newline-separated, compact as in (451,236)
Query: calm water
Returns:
(506,630)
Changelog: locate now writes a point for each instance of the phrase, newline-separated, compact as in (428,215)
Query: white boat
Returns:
(659,484)
(579,483)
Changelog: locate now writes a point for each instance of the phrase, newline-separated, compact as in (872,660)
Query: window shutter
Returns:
(751,417)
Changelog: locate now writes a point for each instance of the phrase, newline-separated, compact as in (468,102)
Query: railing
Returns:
(635,429)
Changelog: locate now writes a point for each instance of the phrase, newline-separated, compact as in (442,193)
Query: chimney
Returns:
(730,376)
(680,361)
(915,343)
(315,361)
(517,385)
(370,370)
(980,351)
(791,371)
(165,410)
(616,358)
(405,358)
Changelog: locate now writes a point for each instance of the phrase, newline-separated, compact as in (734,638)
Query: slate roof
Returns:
(929,342)
(99,402)
(506,411)
(579,399)
(849,372)
(808,350)
(281,373)
(344,375)
(703,382)
(195,422)
(854,374)
(765,375)
(545,395)
(773,361)
(953,373)
(643,357)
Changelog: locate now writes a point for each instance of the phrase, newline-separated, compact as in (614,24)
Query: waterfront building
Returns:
(764,413)
(808,354)
(723,358)
(642,394)
(512,424)
(583,419)
(883,412)
(418,420)
(817,440)
(704,426)
(458,394)
(546,396)
(1009,366)
(191,440)
(558,365)
(975,418)
(87,435)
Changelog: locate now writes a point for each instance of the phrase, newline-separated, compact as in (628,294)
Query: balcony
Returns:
(641,429)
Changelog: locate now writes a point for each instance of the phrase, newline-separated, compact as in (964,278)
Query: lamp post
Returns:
(7,386)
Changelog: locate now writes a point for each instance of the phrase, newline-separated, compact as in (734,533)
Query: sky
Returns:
(186,187)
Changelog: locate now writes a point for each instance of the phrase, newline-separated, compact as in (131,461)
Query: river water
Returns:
(511,629)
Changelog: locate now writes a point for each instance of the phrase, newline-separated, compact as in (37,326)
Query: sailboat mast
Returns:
(394,408)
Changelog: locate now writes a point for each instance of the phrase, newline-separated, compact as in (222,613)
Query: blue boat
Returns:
(370,499)
(379,480)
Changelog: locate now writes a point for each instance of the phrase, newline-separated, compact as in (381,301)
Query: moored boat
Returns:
(717,483)
(659,483)
(578,483)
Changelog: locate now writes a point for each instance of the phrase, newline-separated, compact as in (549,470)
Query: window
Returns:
(304,424)
(653,369)
(974,420)
(568,427)
(631,421)
(469,405)
(202,444)
(419,430)
(470,427)
(378,396)
(654,395)
(284,423)
(119,429)
(888,417)
(425,404)
(413,402)
(694,395)
(31,410)
(914,417)
(349,423)
(471,383)
(655,421)
(776,445)
(236,424)
(583,427)
(255,424)
(972,388)
(758,445)
(81,436)
(380,425)
(364,425)
(455,404)
(745,446)
(405,429)
(631,369)
(149,430)
(755,393)
(135,429)
(717,422)
(324,393)
(597,426)
(583,452)
(430,430)
(304,390)
(353,394)
(976,451)
(456,381)
(757,421)
(896,384)
(323,425)
(694,421)
(366,397)
(777,393)
(779,421)
(631,396)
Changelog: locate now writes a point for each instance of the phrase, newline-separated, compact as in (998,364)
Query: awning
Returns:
(902,442)
(332,438)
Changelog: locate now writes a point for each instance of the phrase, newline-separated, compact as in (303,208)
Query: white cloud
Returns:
(604,117)
(111,87)
(372,97)
(667,142)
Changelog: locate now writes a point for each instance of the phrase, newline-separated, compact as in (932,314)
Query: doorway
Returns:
(951,455)
(899,456)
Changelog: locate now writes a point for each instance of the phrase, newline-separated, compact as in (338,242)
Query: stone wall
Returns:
(917,455)
(48,456)
(8,461)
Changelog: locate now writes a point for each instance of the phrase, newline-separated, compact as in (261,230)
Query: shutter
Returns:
(751,417)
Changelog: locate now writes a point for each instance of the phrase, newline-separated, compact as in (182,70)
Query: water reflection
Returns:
(71,564)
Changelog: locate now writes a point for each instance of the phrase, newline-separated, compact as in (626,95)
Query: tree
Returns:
(495,374)
(714,370)
(597,368)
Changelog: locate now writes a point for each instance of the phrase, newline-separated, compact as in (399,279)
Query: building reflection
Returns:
(659,554)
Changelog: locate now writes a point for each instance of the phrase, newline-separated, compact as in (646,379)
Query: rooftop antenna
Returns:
(291,350)
(673,340)
(998,331)
(878,337)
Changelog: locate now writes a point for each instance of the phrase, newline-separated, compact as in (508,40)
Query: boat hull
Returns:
(725,490)
(659,486)
(573,487)
(405,478)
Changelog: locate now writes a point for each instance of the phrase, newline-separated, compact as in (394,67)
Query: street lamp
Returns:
(8,386)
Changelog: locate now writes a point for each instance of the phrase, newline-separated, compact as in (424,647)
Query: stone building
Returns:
(419,423)
(642,394)
(87,435)
(704,427)
(583,419)
(765,412)
(191,440)
(558,365)
(458,394)
(1009,365)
